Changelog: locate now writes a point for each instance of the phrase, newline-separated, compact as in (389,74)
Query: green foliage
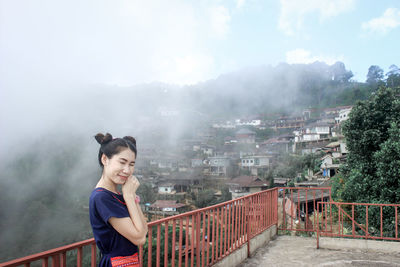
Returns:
(371,174)
(146,193)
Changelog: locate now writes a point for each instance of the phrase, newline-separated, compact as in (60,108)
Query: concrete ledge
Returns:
(359,245)
(240,254)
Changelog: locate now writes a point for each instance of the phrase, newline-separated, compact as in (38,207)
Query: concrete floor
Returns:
(301,251)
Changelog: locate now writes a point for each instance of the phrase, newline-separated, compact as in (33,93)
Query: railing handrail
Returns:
(48,253)
(194,212)
(45,255)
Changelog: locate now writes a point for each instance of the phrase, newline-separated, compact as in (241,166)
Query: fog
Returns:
(71,69)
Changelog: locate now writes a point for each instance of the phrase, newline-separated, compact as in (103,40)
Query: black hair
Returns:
(110,146)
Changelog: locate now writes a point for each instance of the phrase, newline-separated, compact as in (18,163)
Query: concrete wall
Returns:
(240,254)
(359,245)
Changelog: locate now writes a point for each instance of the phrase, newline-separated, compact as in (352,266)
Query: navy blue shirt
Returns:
(103,205)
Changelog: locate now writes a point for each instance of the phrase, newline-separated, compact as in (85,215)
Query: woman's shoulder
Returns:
(100,193)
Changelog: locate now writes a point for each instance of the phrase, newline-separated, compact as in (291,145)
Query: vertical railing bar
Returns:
(187,242)
(158,245)
(217,223)
(298,205)
(225,228)
(64,259)
(247,220)
(352,218)
(208,236)
(330,208)
(166,243)
(366,218)
(56,260)
(150,246)
(94,255)
(314,207)
(214,239)
(198,228)
(79,257)
(192,242)
(141,256)
(229,224)
(284,209)
(28,264)
(291,209)
(180,242)
(236,239)
(222,231)
(243,221)
(381,221)
(326,217)
(45,262)
(306,215)
(395,209)
(173,242)
(203,240)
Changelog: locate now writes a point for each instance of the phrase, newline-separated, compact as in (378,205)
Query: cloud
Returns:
(187,69)
(387,22)
(293,12)
(240,3)
(219,20)
(124,42)
(301,56)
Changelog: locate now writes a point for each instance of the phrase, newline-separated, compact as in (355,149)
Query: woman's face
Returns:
(120,166)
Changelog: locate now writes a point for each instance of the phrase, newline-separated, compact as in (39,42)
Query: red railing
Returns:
(58,256)
(299,207)
(205,236)
(338,219)
(196,238)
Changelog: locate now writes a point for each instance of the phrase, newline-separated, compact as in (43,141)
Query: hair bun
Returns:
(103,139)
(131,139)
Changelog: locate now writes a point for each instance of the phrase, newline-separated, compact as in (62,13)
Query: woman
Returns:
(118,224)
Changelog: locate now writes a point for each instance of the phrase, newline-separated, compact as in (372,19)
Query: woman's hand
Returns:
(130,186)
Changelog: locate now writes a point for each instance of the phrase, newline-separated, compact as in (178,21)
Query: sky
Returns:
(128,42)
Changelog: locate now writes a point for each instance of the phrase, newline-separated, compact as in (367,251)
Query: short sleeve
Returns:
(108,206)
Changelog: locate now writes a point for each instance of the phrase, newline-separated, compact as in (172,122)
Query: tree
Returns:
(371,174)
(375,74)
(393,76)
(339,72)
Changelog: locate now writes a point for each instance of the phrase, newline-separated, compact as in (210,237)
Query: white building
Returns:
(343,115)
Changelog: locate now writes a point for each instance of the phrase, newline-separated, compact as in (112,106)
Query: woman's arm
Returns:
(134,227)
(142,217)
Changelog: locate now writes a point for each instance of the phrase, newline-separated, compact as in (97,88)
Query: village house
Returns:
(312,132)
(289,123)
(281,144)
(246,136)
(343,115)
(245,185)
(219,165)
(166,188)
(328,166)
(255,163)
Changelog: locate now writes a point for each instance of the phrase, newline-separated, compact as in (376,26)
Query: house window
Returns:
(166,189)
(251,161)
(257,161)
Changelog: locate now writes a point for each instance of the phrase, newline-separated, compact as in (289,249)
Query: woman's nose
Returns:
(126,169)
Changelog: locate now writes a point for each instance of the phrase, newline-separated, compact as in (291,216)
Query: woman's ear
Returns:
(104,159)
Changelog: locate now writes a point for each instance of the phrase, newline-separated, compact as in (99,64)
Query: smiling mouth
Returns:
(123,177)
